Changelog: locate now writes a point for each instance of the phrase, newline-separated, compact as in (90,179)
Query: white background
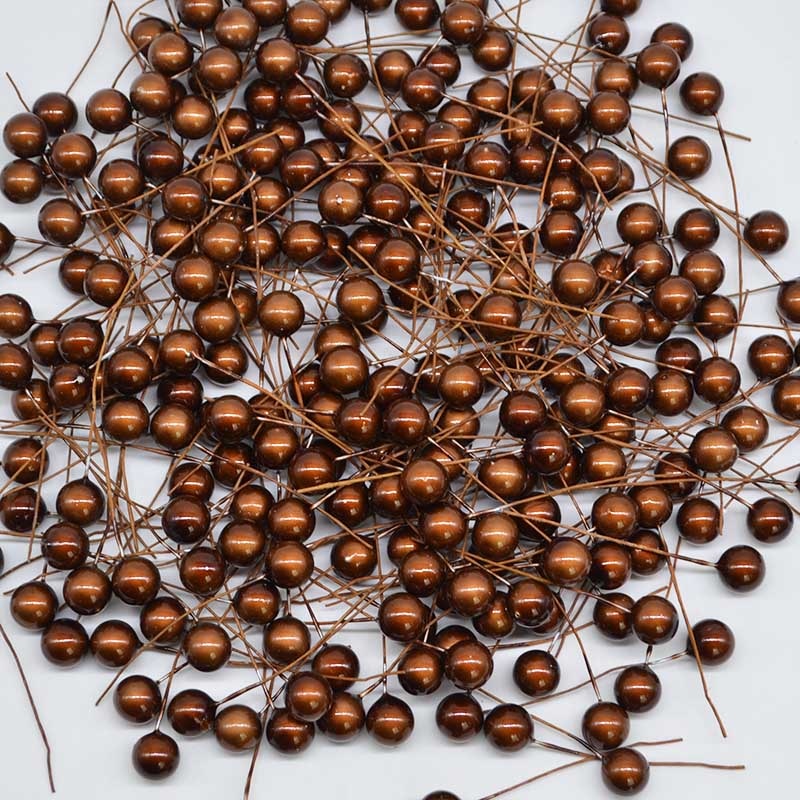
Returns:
(752,48)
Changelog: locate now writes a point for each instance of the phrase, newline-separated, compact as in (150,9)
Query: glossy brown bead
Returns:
(770,519)
(135,580)
(207,646)
(191,712)
(625,771)
(61,222)
(714,641)
(34,605)
(766,232)
(64,642)
(113,643)
(25,135)
(459,717)
(612,615)
(611,565)
(702,93)
(156,756)
(137,699)
(508,727)
(390,720)
(637,689)
(605,726)
(57,111)
(658,65)
(536,673)
(344,719)
(741,568)
(286,639)
(87,590)
(655,619)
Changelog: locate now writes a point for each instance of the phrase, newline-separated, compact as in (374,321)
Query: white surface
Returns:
(758,693)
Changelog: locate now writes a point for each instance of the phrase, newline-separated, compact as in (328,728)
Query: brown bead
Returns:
(459,717)
(714,640)
(530,602)
(470,591)
(770,519)
(741,568)
(344,719)
(420,670)
(689,157)
(64,642)
(163,619)
(702,93)
(658,65)
(714,449)
(207,646)
(286,639)
(625,771)
(536,673)
(637,689)
(87,590)
(237,727)
(191,712)
(137,699)
(57,111)
(135,580)
(655,619)
(639,223)
(766,232)
(612,615)
(422,89)
(508,727)
(748,426)
(390,720)
(611,565)
(156,756)
(114,643)
(34,605)
(605,726)
(468,665)
(566,561)
(25,135)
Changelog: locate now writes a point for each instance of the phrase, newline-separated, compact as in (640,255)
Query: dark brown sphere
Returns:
(612,615)
(655,619)
(741,568)
(390,720)
(237,727)
(625,771)
(702,93)
(714,640)
(207,646)
(286,639)
(64,642)
(459,717)
(156,756)
(536,673)
(114,643)
(191,712)
(770,519)
(344,719)
(658,65)
(508,727)
(257,603)
(637,689)
(135,580)
(137,699)
(34,605)
(605,726)
(87,590)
